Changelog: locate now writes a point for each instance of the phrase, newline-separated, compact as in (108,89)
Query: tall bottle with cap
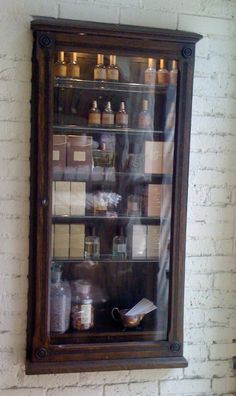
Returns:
(108,116)
(94,116)
(112,69)
(145,119)
(99,72)
(150,72)
(122,116)
(73,68)
(173,73)
(162,74)
(60,67)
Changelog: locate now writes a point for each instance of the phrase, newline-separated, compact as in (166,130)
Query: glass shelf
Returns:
(67,219)
(105,258)
(67,82)
(77,130)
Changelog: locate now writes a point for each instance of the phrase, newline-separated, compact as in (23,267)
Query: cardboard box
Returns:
(77,235)
(153,157)
(77,198)
(59,156)
(153,241)
(61,240)
(168,155)
(62,198)
(139,243)
(153,200)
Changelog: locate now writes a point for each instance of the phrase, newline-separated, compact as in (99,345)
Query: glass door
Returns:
(113,148)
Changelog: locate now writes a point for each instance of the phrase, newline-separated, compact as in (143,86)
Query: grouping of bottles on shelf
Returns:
(108,118)
(71,303)
(155,73)
(135,241)
(84,158)
(71,198)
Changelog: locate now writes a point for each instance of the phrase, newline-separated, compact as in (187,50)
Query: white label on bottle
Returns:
(55,155)
(79,156)
(121,248)
(86,314)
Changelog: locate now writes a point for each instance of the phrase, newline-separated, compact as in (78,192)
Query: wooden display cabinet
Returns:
(108,195)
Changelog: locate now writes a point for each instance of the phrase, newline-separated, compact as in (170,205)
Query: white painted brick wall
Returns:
(210,309)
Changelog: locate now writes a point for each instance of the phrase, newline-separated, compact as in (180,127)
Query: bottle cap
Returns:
(174,64)
(60,56)
(73,57)
(145,105)
(108,106)
(112,59)
(95,104)
(122,105)
(100,59)
(151,63)
(162,64)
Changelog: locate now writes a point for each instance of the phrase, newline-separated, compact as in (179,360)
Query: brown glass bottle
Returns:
(108,116)
(122,117)
(150,72)
(73,68)
(60,67)
(99,72)
(94,116)
(112,69)
(162,74)
(144,118)
(173,73)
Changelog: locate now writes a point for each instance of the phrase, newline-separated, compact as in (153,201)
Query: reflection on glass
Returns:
(113,150)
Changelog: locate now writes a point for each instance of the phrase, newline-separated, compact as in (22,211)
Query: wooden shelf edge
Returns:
(104,365)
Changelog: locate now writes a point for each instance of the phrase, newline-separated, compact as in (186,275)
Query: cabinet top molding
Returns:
(91,28)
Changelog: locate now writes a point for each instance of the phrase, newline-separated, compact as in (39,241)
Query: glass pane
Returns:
(113,148)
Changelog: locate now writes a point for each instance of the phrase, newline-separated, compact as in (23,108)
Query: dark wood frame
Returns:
(51,35)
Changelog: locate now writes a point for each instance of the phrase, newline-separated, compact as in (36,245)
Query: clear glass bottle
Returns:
(92,246)
(60,67)
(100,72)
(173,75)
(60,302)
(144,118)
(119,245)
(94,116)
(162,74)
(150,72)
(82,306)
(122,117)
(102,157)
(108,116)
(112,69)
(73,68)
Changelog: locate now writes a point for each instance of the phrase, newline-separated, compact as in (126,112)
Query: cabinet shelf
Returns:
(122,176)
(78,130)
(120,219)
(102,259)
(130,87)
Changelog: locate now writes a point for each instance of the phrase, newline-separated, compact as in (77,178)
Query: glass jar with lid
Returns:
(82,307)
